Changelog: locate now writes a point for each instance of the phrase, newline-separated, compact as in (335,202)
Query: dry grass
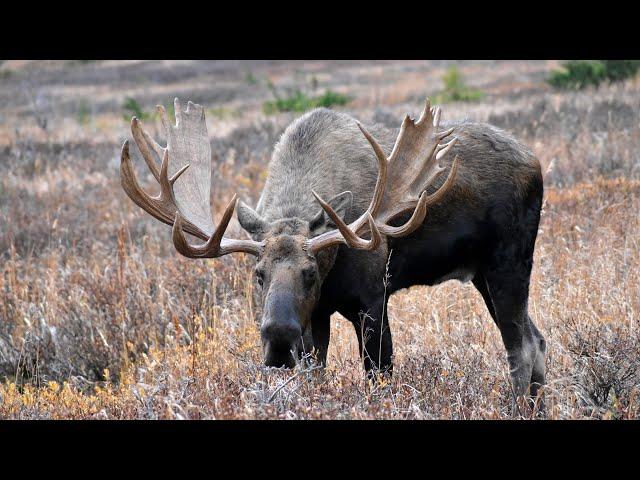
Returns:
(100,318)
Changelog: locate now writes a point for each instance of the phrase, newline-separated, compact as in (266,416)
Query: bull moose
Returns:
(338,199)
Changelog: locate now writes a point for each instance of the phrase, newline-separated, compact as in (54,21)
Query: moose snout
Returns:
(280,332)
(280,338)
(280,341)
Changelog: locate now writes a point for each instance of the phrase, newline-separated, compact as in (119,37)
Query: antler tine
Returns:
(442,149)
(345,233)
(444,134)
(446,186)
(378,192)
(412,224)
(177,110)
(216,245)
(212,246)
(144,141)
(155,145)
(427,113)
(436,117)
(164,119)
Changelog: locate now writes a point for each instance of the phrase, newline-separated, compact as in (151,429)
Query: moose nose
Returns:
(280,324)
(279,357)
(282,333)
(280,339)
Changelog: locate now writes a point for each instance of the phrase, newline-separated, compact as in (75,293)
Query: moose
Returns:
(338,198)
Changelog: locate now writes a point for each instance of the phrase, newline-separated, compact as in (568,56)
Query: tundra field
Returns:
(100,317)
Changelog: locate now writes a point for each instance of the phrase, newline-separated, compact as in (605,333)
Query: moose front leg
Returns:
(321,331)
(374,337)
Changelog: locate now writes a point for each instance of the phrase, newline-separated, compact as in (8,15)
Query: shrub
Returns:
(330,98)
(250,78)
(618,70)
(301,102)
(455,88)
(83,112)
(578,74)
(133,109)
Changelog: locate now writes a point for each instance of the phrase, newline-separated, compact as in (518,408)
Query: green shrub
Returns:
(618,70)
(83,112)
(250,78)
(133,109)
(577,74)
(301,102)
(455,89)
(330,98)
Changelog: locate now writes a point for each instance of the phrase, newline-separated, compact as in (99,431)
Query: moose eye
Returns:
(260,277)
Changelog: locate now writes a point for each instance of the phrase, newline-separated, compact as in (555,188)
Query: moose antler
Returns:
(185,203)
(401,186)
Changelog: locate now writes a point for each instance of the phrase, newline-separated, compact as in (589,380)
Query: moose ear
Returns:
(341,204)
(250,220)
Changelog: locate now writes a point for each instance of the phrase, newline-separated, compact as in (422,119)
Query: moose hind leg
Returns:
(538,371)
(509,290)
